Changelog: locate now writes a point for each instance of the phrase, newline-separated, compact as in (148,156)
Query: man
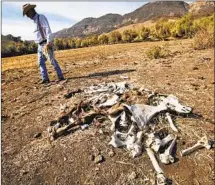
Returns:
(44,40)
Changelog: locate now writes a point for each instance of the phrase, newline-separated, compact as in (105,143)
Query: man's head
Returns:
(29,10)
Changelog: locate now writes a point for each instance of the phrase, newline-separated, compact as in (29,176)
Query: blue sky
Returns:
(60,14)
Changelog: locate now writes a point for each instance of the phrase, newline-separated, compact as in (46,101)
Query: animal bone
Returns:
(166,157)
(173,104)
(143,113)
(171,122)
(113,120)
(116,142)
(154,161)
(155,143)
(116,109)
(161,179)
(120,87)
(123,121)
(203,142)
(137,148)
(54,132)
(111,101)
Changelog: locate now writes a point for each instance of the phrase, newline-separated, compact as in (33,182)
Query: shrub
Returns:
(93,40)
(114,37)
(72,43)
(58,43)
(157,52)
(204,23)
(162,30)
(204,39)
(78,43)
(184,27)
(84,43)
(143,33)
(103,39)
(129,35)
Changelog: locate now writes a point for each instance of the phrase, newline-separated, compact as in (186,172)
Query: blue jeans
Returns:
(41,61)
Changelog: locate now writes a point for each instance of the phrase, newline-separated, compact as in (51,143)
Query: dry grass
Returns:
(204,39)
(157,52)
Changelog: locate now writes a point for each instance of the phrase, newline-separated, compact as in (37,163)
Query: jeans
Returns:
(42,59)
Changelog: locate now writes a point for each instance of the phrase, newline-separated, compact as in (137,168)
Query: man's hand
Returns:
(49,45)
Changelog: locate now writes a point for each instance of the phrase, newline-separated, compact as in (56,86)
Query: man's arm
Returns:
(47,29)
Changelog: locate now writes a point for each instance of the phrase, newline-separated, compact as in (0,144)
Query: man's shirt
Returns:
(45,28)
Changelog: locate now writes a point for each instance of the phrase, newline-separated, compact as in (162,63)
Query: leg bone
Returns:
(202,143)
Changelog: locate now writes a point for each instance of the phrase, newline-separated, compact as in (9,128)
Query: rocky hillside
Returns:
(202,8)
(110,22)
(91,25)
(148,11)
(157,9)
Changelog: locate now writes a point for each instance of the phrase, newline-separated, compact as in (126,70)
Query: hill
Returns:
(109,22)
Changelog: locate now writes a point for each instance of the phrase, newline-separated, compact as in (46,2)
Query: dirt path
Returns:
(28,108)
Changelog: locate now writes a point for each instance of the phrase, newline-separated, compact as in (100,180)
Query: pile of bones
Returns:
(133,126)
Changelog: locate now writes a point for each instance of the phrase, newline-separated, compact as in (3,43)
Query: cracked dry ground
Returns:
(28,108)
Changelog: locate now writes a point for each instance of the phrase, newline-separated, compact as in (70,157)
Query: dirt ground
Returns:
(28,157)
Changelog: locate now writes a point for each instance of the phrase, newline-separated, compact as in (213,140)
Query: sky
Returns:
(59,14)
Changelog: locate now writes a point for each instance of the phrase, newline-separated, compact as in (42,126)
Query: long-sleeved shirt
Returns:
(45,28)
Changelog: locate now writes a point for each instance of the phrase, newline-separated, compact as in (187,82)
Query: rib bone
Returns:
(203,142)
(171,122)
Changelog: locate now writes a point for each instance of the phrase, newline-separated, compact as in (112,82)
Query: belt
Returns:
(42,42)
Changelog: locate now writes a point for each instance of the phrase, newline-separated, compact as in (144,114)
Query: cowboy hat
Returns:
(27,7)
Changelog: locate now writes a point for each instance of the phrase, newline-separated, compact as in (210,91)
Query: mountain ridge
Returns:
(109,22)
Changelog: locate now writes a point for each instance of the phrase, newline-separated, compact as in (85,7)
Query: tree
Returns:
(144,33)
(103,39)
(114,37)
(129,35)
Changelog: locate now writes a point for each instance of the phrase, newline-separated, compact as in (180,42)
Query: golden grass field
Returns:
(29,107)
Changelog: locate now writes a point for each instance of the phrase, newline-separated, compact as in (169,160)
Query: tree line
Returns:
(185,27)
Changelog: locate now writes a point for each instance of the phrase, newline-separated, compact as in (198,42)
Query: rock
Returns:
(96,169)
(101,131)
(132,176)
(99,159)
(23,172)
(195,68)
(111,153)
(37,135)
(91,157)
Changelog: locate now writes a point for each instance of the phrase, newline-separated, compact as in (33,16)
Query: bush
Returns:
(84,43)
(129,35)
(58,43)
(162,30)
(114,37)
(103,39)
(93,40)
(184,27)
(78,43)
(72,43)
(143,33)
(204,23)
(157,52)
(204,39)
